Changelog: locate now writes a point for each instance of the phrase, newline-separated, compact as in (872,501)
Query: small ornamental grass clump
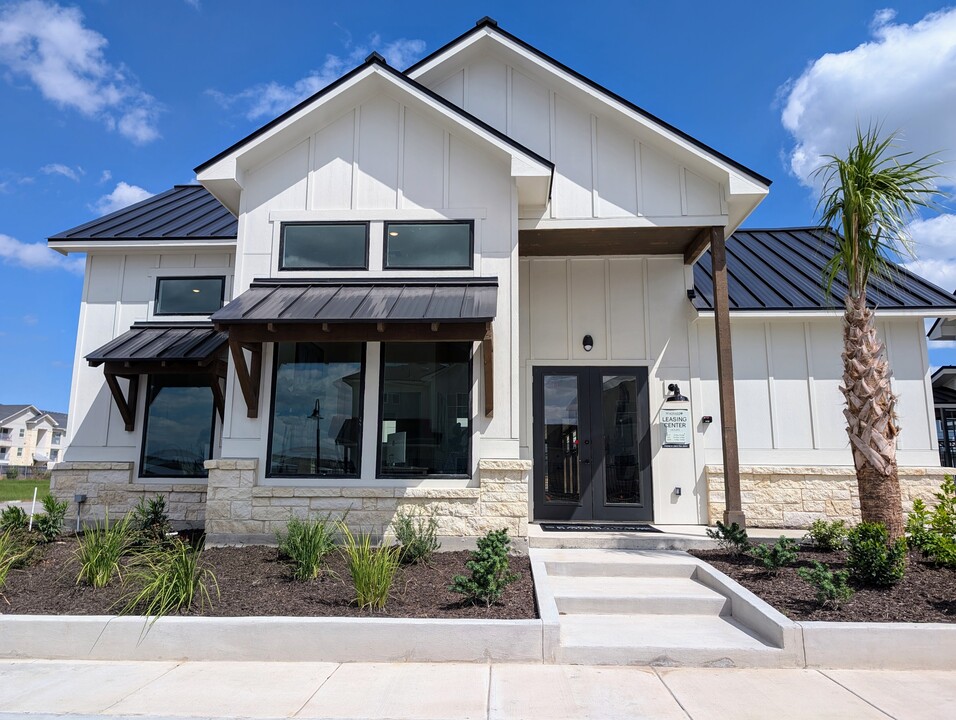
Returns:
(372,568)
(489,567)
(49,523)
(100,549)
(306,544)
(780,554)
(11,555)
(150,521)
(169,580)
(871,559)
(828,536)
(933,532)
(13,518)
(832,588)
(417,533)
(730,538)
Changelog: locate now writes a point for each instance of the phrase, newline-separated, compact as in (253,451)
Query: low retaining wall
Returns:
(110,485)
(238,509)
(880,646)
(793,497)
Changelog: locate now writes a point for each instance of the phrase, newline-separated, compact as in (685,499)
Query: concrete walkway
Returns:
(41,689)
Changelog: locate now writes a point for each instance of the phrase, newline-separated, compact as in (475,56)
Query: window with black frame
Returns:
(179,427)
(317,410)
(429,245)
(189,295)
(425,409)
(324,246)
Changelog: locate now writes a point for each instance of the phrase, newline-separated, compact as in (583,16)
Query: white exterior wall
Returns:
(637,312)
(380,161)
(118,290)
(787,373)
(605,168)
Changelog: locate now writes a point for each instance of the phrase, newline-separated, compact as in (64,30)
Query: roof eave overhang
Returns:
(835,313)
(65,247)
(223,175)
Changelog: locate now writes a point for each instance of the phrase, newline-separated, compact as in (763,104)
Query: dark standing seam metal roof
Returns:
(156,343)
(783,269)
(944,396)
(364,301)
(487,22)
(183,212)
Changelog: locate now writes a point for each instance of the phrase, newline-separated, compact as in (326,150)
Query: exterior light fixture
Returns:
(393,233)
(588,343)
(195,290)
(675,396)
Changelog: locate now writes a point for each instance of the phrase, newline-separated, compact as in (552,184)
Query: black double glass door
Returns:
(592,452)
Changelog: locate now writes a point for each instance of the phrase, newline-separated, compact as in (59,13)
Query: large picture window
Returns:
(189,295)
(179,426)
(429,245)
(425,409)
(324,246)
(317,410)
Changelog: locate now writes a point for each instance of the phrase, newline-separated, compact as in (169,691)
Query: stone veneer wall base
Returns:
(793,497)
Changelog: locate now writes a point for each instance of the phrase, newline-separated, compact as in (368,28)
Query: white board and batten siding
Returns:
(119,290)
(604,168)
(383,160)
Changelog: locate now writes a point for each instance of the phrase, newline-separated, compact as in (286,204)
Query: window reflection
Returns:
(178,430)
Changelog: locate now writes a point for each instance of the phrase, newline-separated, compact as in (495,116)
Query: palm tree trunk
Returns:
(871,417)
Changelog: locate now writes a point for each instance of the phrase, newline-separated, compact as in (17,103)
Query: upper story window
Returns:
(189,295)
(21,432)
(429,245)
(56,438)
(323,246)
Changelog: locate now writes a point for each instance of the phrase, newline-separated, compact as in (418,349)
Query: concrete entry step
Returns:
(672,538)
(636,595)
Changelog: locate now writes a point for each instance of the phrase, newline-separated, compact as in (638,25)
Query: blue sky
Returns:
(107,101)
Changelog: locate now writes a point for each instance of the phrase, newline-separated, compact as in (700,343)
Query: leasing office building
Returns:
(484,285)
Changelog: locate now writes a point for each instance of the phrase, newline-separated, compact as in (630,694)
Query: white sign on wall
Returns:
(675,423)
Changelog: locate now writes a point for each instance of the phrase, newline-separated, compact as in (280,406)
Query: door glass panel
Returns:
(950,443)
(621,441)
(561,479)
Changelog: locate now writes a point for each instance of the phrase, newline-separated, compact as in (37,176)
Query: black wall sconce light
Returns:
(588,343)
(675,396)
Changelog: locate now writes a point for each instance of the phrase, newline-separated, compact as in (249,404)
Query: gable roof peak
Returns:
(487,21)
(376,57)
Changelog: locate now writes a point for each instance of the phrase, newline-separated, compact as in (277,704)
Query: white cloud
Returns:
(272,98)
(49,44)
(194,4)
(106,176)
(123,194)
(30,319)
(36,256)
(903,78)
(64,170)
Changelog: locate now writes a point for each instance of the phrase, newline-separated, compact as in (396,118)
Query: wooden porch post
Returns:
(725,380)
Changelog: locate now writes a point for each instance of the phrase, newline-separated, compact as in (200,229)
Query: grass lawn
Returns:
(23,489)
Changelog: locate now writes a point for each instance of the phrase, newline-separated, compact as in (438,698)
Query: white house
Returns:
(487,286)
(30,439)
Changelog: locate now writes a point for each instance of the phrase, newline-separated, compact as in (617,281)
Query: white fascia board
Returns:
(942,330)
(737,181)
(65,247)
(834,313)
(641,221)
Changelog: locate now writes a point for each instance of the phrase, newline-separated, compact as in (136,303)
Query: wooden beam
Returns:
(698,246)
(218,397)
(725,379)
(254,335)
(249,378)
(488,358)
(126,403)
(174,367)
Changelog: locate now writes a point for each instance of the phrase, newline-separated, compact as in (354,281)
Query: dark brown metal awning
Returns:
(357,310)
(161,349)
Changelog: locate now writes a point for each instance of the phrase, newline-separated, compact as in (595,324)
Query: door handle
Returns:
(586,461)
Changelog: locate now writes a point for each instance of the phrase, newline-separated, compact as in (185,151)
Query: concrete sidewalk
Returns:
(42,689)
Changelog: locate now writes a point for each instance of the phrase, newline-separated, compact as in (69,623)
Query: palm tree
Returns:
(867,200)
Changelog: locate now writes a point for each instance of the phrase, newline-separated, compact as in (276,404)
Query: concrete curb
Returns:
(101,637)
(547,610)
(879,646)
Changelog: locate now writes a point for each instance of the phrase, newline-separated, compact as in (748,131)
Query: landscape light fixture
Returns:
(588,343)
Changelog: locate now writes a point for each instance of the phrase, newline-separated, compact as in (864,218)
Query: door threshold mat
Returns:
(598,527)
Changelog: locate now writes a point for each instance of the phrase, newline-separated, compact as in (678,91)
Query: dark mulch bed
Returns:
(926,593)
(253,582)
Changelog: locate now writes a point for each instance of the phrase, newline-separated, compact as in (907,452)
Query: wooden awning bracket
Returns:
(126,403)
(249,376)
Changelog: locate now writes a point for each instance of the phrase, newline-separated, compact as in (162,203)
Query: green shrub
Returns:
(730,538)
(169,580)
(13,474)
(832,588)
(49,523)
(305,545)
(418,535)
(489,567)
(828,536)
(919,534)
(780,554)
(13,518)
(11,554)
(150,521)
(100,549)
(871,559)
(933,532)
(372,569)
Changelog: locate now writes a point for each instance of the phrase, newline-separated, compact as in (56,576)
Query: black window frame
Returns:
(361,429)
(379,474)
(306,268)
(471,245)
(142,450)
(161,278)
